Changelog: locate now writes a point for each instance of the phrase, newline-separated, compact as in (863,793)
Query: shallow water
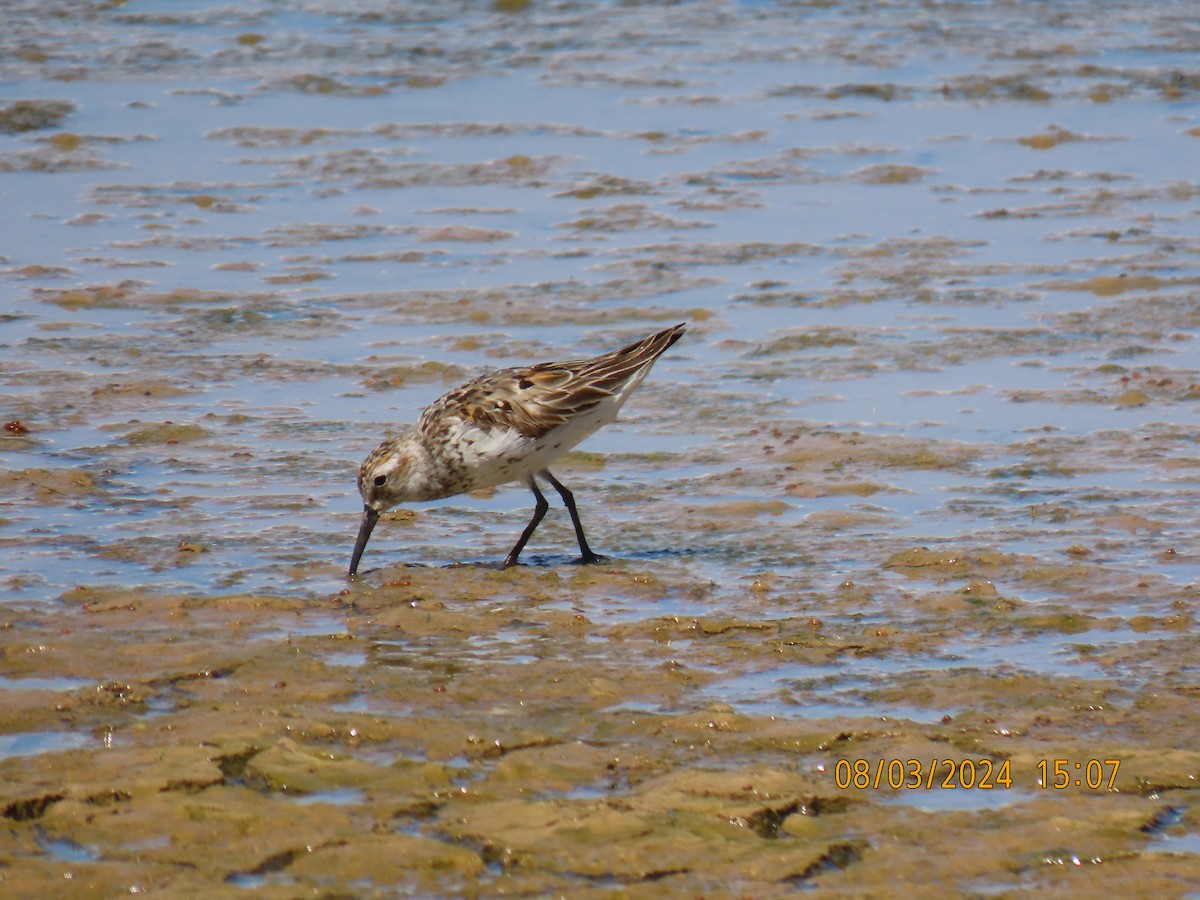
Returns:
(921,479)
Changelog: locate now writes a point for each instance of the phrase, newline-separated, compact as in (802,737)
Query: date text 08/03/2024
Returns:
(972,774)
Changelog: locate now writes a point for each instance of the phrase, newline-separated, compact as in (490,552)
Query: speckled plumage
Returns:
(508,425)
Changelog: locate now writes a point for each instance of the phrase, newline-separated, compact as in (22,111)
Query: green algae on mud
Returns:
(456,729)
(918,488)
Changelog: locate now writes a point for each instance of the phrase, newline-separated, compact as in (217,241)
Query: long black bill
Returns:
(370,517)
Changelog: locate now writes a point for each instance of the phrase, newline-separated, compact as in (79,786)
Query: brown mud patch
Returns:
(901,585)
(460,729)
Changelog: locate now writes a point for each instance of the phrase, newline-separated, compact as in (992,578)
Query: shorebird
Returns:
(507,425)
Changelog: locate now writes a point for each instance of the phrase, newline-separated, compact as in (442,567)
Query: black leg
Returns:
(569,502)
(539,509)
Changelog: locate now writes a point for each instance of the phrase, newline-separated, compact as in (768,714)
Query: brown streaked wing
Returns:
(537,399)
(611,370)
(534,401)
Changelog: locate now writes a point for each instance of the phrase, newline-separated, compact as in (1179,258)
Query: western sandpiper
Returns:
(504,426)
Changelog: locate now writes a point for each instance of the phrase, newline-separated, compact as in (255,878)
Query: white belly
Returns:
(494,457)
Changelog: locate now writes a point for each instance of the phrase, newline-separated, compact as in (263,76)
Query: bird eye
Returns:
(380,480)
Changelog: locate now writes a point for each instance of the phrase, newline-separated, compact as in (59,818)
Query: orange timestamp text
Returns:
(911,774)
(1095,774)
(971,774)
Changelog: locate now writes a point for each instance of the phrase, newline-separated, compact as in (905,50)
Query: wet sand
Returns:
(902,571)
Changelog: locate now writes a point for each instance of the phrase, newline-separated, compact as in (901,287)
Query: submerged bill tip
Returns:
(370,517)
